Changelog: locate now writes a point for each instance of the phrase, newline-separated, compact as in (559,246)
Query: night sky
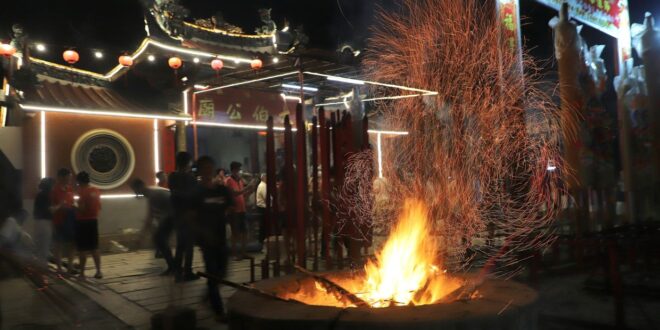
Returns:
(115,26)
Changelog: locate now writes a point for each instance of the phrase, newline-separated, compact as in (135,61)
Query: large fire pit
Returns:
(498,305)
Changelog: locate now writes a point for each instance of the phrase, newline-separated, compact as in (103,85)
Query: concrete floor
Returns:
(131,292)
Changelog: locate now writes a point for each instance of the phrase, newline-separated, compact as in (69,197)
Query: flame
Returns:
(406,270)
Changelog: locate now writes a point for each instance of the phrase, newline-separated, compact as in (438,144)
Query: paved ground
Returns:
(132,291)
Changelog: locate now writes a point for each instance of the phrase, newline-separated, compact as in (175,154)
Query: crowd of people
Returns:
(196,206)
(66,221)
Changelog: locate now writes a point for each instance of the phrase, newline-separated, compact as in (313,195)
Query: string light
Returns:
(101,112)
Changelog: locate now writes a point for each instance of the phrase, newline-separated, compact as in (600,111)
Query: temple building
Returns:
(200,85)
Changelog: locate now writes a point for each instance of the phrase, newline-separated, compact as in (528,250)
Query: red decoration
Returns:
(217,64)
(125,60)
(7,50)
(174,62)
(71,56)
(256,64)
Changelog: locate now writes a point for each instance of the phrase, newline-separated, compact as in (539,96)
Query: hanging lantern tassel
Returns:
(175,63)
(256,65)
(217,65)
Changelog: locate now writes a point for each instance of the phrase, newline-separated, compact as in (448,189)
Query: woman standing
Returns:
(87,230)
(43,220)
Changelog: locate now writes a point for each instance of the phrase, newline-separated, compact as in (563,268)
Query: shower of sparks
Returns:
(477,154)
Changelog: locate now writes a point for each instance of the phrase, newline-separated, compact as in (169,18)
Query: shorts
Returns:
(65,231)
(238,223)
(87,235)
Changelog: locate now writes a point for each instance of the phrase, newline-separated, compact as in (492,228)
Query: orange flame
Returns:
(406,270)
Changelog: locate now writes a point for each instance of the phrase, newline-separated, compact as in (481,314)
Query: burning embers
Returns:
(406,271)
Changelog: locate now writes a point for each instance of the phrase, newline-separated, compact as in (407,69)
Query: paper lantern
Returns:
(125,60)
(71,56)
(217,64)
(7,50)
(256,64)
(174,62)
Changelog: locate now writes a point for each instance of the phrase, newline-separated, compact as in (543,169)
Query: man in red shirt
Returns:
(87,229)
(237,213)
(61,198)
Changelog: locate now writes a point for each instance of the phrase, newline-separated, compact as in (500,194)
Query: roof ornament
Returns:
(269,26)
(218,22)
(169,15)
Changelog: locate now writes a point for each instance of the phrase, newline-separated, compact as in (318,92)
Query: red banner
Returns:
(243,107)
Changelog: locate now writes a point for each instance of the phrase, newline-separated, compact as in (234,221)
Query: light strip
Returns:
(138,52)
(346,80)
(361,82)
(42,146)
(244,126)
(376,131)
(297,87)
(185,101)
(101,112)
(248,82)
(4,111)
(156,146)
(396,97)
(380,155)
(287,97)
(114,196)
(232,34)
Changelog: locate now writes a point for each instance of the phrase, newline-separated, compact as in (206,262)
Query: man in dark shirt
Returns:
(211,203)
(182,186)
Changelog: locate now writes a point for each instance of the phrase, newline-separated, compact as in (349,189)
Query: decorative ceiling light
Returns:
(125,60)
(256,64)
(41,47)
(276,60)
(174,62)
(7,50)
(196,60)
(71,56)
(151,58)
(98,54)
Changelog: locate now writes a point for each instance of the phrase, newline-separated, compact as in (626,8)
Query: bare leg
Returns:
(83,260)
(97,263)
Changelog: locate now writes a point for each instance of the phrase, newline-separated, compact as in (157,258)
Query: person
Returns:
(212,202)
(61,199)
(221,176)
(260,202)
(43,220)
(87,224)
(237,214)
(159,213)
(182,184)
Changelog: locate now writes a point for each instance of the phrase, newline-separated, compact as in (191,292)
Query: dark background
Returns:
(115,26)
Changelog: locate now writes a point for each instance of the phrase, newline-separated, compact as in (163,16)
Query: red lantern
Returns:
(125,60)
(174,62)
(256,64)
(217,64)
(71,56)
(7,50)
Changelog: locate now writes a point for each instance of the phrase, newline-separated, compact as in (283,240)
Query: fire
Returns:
(406,270)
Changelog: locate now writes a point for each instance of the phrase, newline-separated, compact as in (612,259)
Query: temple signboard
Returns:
(243,107)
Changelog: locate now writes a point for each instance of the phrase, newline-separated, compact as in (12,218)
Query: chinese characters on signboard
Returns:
(247,107)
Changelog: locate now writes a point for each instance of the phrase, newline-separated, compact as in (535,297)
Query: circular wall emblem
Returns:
(106,155)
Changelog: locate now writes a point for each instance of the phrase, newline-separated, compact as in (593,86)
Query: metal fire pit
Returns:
(502,305)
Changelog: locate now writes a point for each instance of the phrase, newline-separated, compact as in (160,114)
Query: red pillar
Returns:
(301,185)
(271,185)
(315,190)
(289,185)
(325,184)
